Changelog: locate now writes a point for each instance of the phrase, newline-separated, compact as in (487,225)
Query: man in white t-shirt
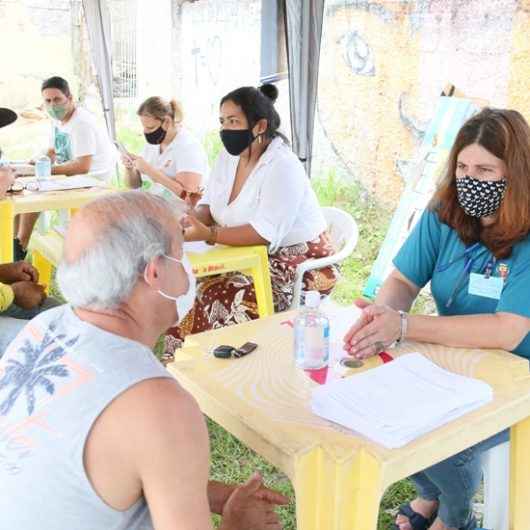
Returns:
(79,145)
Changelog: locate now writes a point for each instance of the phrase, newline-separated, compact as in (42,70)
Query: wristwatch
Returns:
(403,324)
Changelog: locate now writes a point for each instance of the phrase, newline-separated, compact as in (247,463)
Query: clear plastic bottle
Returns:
(43,167)
(311,335)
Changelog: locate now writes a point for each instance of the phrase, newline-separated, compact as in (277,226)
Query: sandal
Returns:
(416,520)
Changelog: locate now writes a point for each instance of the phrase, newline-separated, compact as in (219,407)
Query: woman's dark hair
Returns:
(258,104)
(506,135)
(57,82)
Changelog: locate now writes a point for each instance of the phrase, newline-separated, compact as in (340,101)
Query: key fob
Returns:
(224,351)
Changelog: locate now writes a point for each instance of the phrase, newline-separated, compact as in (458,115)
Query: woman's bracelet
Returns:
(403,324)
(212,238)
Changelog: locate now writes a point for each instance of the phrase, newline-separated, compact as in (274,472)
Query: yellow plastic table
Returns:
(27,201)
(339,478)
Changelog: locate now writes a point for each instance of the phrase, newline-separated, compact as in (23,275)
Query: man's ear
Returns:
(152,272)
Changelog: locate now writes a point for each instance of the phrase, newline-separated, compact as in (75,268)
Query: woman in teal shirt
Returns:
(473,245)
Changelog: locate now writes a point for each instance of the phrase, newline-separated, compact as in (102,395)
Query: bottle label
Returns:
(312,346)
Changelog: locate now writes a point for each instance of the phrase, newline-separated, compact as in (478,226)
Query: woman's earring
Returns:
(260,139)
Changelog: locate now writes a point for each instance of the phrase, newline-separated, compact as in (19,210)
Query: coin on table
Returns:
(350,362)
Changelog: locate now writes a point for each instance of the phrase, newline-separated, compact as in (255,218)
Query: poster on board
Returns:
(449,115)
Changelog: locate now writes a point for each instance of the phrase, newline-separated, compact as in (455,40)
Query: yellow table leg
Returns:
(520,475)
(44,267)
(262,284)
(7,218)
(337,495)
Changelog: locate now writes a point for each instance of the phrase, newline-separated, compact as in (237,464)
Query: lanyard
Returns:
(467,255)
(461,277)
(488,269)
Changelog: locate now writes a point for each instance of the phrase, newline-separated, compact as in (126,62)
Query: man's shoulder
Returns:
(82,118)
(158,413)
(158,401)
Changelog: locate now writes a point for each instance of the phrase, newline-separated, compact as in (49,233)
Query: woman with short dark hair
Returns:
(473,245)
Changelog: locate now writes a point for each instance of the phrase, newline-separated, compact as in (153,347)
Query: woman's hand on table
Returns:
(194,230)
(376,329)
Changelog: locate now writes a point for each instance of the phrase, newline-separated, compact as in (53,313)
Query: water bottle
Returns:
(43,167)
(311,335)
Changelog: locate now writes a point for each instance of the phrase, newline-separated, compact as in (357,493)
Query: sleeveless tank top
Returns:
(56,378)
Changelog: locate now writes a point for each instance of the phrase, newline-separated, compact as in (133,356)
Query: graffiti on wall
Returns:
(384,63)
(220,51)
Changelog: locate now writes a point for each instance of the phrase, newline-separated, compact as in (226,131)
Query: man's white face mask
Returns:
(184,302)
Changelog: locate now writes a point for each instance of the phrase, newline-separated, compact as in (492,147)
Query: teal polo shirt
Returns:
(434,252)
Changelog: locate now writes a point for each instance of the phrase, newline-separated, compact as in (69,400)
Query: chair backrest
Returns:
(344,235)
(342,229)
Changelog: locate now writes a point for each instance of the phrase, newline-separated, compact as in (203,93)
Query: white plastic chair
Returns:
(496,469)
(344,235)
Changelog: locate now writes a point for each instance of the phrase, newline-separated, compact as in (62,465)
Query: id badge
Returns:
(490,287)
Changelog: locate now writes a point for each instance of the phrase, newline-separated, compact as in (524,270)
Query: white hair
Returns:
(132,232)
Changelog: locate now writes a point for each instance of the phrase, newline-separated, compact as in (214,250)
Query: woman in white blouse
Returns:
(172,162)
(258,193)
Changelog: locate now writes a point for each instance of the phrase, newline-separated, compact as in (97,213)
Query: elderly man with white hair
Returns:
(95,433)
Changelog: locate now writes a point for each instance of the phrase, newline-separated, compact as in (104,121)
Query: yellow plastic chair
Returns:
(47,249)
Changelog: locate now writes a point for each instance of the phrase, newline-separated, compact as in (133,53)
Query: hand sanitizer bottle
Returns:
(311,335)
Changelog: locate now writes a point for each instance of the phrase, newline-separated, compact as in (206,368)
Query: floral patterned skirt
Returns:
(226,299)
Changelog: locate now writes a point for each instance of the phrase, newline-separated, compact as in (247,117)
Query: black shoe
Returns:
(19,253)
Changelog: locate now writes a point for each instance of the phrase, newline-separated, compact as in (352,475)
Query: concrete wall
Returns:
(219,51)
(383,63)
(35,42)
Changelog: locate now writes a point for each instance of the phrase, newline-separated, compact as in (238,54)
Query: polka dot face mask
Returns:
(480,198)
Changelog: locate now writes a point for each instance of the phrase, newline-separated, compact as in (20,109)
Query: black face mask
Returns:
(236,140)
(156,137)
(480,198)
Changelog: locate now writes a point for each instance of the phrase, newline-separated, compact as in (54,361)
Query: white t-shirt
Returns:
(184,154)
(276,199)
(82,135)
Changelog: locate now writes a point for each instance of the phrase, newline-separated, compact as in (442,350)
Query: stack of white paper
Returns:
(399,401)
(67,183)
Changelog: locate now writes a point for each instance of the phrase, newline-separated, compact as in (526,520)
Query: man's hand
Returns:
(251,507)
(28,294)
(20,271)
(7,177)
